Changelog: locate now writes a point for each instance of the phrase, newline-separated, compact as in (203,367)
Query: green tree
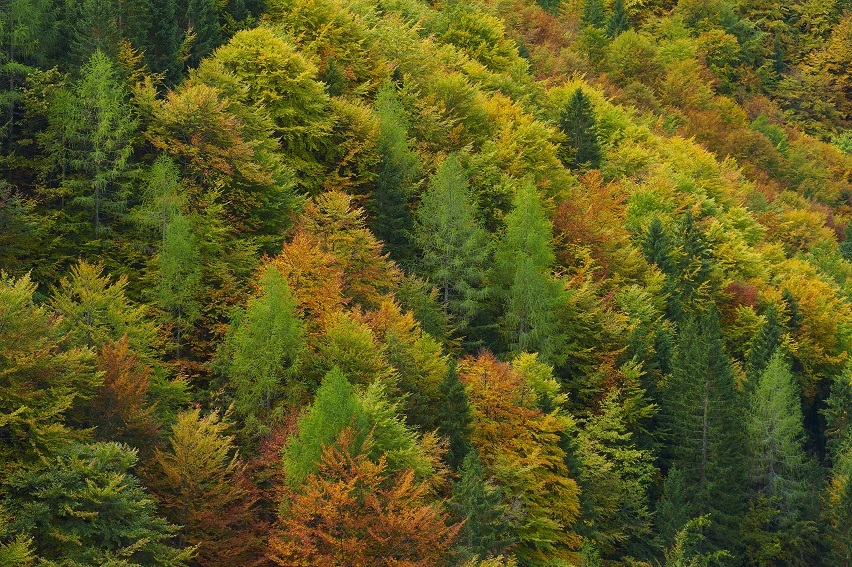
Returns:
(486,531)
(581,149)
(617,23)
(523,264)
(454,248)
(86,508)
(165,39)
(706,431)
(396,179)
(764,346)
(593,13)
(179,278)
(779,525)
(454,418)
(657,247)
(264,349)
(201,22)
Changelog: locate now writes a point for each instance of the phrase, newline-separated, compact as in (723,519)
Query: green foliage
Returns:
(593,13)
(617,23)
(265,350)
(180,277)
(764,346)
(454,418)
(577,121)
(201,19)
(87,508)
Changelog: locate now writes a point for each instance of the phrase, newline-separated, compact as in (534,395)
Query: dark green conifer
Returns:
(593,13)
(454,418)
(618,22)
(764,345)
(657,247)
(581,149)
(202,20)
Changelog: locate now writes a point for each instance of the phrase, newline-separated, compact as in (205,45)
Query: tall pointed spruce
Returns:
(581,149)
(454,418)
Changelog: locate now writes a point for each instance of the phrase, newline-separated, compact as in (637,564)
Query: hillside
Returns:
(398,283)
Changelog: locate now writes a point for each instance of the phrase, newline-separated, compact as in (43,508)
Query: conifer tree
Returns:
(180,273)
(706,432)
(593,13)
(523,264)
(581,149)
(486,531)
(764,346)
(657,247)
(165,39)
(454,418)
(395,185)
(617,23)
(201,20)
(204,487)
(265,349)
(779,525)
(454,248)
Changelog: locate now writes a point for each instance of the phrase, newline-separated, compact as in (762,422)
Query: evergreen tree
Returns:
(657,247)
(265,349)
(764,346)
(201,21)
(593,13)
(793,316)
(163,52)
(706,434)
(454,248)
(581,149)
(86,508)
(454,418)
(486,531)
(523,263)
(395,185)
(779,525)
(617,23)
(90,26)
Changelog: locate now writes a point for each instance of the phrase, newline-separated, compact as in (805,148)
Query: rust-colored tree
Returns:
(352,512)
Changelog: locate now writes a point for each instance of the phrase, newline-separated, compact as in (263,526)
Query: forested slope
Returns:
(384,282)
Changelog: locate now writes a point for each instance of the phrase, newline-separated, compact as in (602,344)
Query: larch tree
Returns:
(523,272)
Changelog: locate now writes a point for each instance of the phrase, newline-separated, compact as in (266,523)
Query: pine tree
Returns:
(395,185)
(617,23)
(523,263)
(454,418)
(454,248)
(86,508)
(780,521)
(486,531)
(706,433)
(265,349)
(581,149)
(204,487)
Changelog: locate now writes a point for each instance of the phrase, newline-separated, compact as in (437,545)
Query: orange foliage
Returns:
(351,513)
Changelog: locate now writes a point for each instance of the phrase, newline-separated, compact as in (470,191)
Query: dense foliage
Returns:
(408,283)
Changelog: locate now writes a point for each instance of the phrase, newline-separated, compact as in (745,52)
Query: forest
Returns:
(413,283)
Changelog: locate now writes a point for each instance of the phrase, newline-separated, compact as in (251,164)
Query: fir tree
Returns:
(577,121)
(201,19)
(454,418)
(486,531)
(617,23)
(764,346)
(165,40)
(593,13)
(706,432)
(657,247)
(396,179)
(454,249)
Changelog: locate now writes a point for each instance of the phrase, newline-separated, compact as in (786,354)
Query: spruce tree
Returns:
(165,40)
(523,264)
(454,418)
(201,19)
(486,531)
(581,149)
(764,346)
(593,13)
(454,248)
(390,203)
(617,23)
(707,432)
(657,247)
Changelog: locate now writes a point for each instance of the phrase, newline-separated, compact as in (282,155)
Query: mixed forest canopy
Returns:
(455,284)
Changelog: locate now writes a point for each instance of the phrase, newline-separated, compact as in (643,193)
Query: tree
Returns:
(42,375)
(593,13)
(180,277)
(90,138)
(523,263)
(454,248)
(780,523)
(85,508)
(396,179)
(204,487)
(617,22)
(581,149)
(839,506)
(485,531)
(165,40)
(353,512)
(265,349)
(201,22)
(764,346)
(657,247)
(454,418)
(707,431)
